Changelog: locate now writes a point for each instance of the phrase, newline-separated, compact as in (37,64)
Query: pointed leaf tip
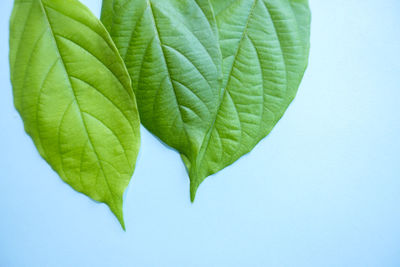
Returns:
(193,190)
(117,210)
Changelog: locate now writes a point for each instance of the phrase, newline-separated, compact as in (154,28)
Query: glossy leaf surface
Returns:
(170,49)
(74,95)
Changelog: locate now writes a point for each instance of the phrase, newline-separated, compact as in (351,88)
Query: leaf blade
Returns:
(74,95)
(272,33)
(264,47)
(158,39)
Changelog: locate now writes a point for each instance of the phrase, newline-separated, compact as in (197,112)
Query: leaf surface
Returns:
(176,52)
(265,47)
(74,95)
(171,51)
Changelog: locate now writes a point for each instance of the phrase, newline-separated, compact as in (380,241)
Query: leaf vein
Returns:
(75,98)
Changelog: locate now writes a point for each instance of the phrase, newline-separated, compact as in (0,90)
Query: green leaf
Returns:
(74,95)
(172,50)
(265,47)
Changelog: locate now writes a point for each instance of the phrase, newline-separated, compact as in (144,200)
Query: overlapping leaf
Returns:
(74,95)
(172,49)
(172,54)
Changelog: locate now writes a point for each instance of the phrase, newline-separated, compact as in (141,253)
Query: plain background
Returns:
(322,190)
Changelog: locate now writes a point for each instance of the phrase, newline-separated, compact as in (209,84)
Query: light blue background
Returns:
(322,190)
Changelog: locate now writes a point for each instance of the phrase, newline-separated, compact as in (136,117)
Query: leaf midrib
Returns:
(167,67)
(42,5)
(207,138)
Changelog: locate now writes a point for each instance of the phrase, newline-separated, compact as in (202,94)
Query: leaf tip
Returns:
(193,190)
(118,212)
(122,223)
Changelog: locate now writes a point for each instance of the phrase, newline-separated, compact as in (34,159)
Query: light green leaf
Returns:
(74,95)
(264,46)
